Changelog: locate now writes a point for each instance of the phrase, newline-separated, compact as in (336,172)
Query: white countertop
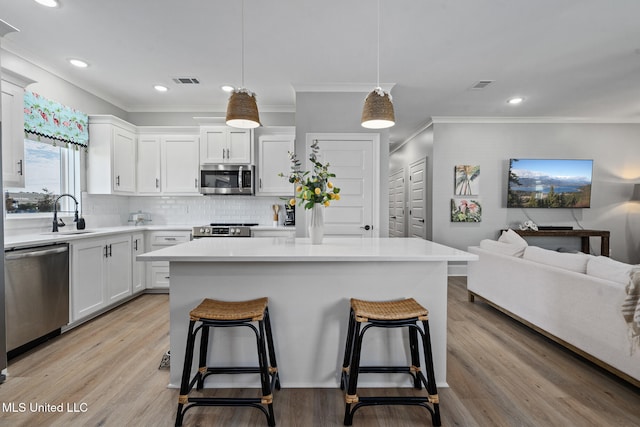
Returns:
(279,249)
(69,235)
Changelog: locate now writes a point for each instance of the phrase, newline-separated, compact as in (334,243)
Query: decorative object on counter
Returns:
(276,210)
(314,190)
(290,214)
(377,112)
(528,225)
(139,218)
(242,110)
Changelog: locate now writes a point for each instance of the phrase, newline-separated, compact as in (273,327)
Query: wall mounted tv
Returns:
(549,183)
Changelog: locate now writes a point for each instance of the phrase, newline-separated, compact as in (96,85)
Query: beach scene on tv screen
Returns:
(549,183)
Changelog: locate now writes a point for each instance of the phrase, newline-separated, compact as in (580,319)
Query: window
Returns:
(50,170)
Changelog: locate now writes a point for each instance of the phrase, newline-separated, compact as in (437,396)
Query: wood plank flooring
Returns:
(500,374)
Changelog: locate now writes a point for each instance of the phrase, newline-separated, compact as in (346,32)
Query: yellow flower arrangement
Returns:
(312,186)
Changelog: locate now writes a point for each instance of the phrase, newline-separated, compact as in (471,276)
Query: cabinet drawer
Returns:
(169,239)
(159,277)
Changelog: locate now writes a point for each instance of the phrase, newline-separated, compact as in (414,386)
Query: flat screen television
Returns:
(549,183)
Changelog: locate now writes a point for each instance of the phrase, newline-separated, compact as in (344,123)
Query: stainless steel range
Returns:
(223,230)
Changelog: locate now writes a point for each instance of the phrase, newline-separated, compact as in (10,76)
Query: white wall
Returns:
(339,112)
(613,147)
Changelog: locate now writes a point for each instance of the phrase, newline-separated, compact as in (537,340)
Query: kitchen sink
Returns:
(69,232)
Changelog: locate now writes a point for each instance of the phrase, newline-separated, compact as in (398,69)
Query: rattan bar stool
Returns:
(389,314)
(213,313)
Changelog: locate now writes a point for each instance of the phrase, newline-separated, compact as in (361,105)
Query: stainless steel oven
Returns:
(222,230)
(227,179)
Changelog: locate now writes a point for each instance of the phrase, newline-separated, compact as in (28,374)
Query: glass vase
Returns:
(316,224)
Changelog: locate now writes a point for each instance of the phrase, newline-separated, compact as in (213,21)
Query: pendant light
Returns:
(378,106)
(242,110)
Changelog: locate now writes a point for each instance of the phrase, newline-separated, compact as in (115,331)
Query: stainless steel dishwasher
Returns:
(36,292)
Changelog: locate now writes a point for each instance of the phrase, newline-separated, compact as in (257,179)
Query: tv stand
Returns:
(583,234)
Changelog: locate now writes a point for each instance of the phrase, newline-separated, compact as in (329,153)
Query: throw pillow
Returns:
(502,248)
(510,236)
(606,268)
(572,262)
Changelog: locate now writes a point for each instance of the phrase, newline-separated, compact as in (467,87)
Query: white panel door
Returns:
(354,160)
(148,178)
(124,161)
(396,204)
(417,199)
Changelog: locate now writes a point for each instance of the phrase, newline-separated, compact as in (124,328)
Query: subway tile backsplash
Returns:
(180,210)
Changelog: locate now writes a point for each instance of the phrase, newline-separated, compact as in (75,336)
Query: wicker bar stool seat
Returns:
(389,314)
(212,313)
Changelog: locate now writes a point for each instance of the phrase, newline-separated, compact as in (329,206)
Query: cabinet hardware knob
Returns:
(20,167)
(367,227)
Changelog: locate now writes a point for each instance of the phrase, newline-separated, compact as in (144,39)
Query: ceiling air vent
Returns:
(186,80)
(481,84)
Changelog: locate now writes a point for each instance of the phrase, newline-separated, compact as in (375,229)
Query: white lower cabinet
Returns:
(159,270)
(101,274)
(139,277)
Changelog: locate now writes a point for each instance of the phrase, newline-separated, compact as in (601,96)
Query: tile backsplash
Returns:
(196,210)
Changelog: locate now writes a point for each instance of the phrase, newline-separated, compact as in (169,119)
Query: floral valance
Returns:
(50,119)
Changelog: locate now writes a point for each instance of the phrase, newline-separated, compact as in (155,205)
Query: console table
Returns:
(583,234)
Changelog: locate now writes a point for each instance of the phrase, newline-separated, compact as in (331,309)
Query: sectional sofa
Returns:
(574,299)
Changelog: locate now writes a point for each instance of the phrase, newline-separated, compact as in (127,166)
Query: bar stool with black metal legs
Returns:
(389,314)
(211,314)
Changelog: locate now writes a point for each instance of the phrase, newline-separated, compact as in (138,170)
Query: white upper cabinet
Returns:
(223,144)
(12,88)
(180,164)
(168,160)
(273,158)
(111,159)
(148,178)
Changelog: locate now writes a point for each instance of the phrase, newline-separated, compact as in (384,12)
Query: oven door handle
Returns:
(240,186)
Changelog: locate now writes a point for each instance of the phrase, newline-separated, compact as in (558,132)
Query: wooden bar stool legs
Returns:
(212,314)
(389,314)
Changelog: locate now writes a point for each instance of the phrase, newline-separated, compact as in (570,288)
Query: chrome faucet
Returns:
(58,222)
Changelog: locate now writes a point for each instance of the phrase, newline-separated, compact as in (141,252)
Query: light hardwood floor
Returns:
(500,374)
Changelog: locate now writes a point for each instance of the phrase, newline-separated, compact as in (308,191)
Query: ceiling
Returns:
(570,58)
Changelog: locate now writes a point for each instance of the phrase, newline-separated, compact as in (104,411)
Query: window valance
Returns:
(46,118)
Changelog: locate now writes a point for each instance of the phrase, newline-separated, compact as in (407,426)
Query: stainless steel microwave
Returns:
(227,179)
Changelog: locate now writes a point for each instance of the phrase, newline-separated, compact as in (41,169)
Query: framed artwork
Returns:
(466,210)
(467,180)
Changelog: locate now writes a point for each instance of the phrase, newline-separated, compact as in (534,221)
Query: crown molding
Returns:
(538,120)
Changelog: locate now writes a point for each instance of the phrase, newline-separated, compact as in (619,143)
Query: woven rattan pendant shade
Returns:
(378,110)
(242,110)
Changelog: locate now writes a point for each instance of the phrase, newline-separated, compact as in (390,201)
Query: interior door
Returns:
(418,199)
(354,160)
(396,204)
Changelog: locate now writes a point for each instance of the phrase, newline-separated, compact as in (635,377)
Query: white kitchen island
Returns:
(309,287)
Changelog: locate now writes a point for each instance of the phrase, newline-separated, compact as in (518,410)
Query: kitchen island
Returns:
(309,287)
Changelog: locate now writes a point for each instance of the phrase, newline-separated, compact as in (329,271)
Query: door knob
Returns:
(367,227)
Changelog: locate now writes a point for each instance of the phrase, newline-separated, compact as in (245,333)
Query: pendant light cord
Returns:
(242,49)
(378,65)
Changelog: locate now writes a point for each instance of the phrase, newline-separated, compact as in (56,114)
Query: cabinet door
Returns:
(138,267)
(148,173)
(213,145)
(87,277)
(118,268)
(239,146)
(124,161)
(273,158)
(12,135)
(180,164)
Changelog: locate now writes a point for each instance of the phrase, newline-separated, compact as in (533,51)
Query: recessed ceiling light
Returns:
(48,3)
(515,100)
(161,88)
(78,63)
(227,88)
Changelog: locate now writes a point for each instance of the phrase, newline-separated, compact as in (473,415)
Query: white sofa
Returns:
(576,309)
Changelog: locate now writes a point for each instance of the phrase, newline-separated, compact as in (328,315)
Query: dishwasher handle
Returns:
(35,253)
